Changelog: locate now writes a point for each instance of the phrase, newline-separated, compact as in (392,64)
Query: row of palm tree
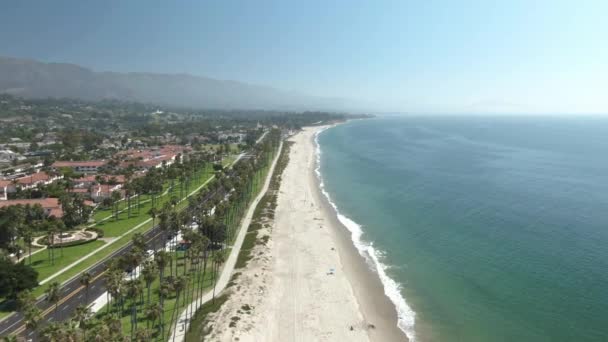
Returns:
(205,250)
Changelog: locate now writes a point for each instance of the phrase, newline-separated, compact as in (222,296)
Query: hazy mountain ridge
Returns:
(33,79)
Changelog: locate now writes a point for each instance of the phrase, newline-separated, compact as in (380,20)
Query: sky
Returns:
(400,56)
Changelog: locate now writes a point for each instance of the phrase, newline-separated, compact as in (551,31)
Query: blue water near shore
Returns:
(494,228)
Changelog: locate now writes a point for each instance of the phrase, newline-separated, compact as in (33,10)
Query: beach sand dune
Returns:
(298,286)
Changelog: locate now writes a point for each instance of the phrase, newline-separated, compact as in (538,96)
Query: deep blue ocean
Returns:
(495,228)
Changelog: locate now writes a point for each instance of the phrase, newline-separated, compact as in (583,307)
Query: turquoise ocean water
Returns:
(494,228)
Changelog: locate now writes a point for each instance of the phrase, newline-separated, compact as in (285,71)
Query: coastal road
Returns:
(73,294)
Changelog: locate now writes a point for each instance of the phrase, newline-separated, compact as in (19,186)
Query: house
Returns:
(88,180)
(51,206)
(32,181)
(7,156)
(4,184)
(101,191)
(81,166)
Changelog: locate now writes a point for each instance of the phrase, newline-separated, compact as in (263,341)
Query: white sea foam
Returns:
(392,289)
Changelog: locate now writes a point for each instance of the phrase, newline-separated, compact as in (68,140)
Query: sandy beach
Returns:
(308,282)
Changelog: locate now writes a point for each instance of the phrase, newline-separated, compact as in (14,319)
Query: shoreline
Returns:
(374,304)
(306,281)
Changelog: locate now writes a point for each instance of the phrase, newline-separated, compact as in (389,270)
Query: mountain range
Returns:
(33,79)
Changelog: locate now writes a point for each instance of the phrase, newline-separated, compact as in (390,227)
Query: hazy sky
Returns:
(415,56)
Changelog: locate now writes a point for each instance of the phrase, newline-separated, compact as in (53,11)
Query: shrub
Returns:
(96,230)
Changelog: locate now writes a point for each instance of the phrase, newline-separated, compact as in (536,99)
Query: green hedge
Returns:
(43,241)
(96,230)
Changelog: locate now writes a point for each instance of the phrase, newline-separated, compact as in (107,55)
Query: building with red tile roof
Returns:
(81,166)
(50,206)
(33,180)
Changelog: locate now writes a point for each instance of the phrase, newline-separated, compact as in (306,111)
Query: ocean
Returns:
(483,228)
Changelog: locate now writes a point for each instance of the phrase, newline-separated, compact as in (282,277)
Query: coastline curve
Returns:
(406,316)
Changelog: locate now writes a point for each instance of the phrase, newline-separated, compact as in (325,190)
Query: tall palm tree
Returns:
(51,232)
(218,259)
(153,212)
(113,284)
(128,187)
(115,197)
(133,292)
(53,295)
(28,238)
(204,241)
(162,258)
(179,285)
(85,280)
(166,286)
(149,273)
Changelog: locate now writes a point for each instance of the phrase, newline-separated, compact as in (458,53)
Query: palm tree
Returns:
(85,280)
(164,290)
(71,331)
(32,316)
(218,259)
(113,284)
(51,231)
(139,241)
(164,221)
(134,258)
(179,285)
(153,212)
(100,332)
(115,197)
(114,327)
(28,238)
(60,228)
(133,292)
(52,296)
(204,241)
(142,335)
(195,261)
(81,315)
(153,312)
(149,272)
(128,187)
(162,258)
(53,332)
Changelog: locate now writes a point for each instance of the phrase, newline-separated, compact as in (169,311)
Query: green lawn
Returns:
(113,227)
(86,263)
(42,263)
